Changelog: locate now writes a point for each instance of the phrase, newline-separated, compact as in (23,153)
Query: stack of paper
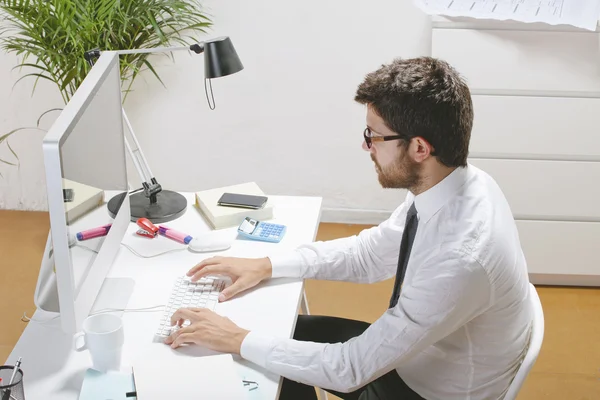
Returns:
(578,13)
(224,217)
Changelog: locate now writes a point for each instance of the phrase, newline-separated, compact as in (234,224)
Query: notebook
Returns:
(162,373)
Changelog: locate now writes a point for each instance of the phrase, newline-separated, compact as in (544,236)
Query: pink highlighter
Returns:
(93,233)
(175,235)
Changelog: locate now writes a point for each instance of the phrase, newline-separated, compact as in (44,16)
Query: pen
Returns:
(15,369)
(173,234)
(93,233)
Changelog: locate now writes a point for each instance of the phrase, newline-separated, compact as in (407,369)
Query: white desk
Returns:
(53,370)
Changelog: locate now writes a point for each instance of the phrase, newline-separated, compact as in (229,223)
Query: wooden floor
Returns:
(568,367)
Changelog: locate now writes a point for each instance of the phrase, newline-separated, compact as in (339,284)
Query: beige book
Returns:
(85,199)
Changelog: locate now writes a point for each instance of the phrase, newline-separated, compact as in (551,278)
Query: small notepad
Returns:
(106,385)
(163,373)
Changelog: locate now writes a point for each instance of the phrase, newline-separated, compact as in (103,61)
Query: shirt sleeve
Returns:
(443,296)
(368,257)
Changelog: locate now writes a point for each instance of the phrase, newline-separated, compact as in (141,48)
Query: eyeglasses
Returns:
(369,138)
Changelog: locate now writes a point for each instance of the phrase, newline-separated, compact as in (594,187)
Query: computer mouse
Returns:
(212,241)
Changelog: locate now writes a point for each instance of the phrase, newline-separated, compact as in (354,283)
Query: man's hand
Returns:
(207,329)
(245,273)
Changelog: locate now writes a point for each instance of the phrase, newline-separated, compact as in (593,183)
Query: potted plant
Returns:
(52,36)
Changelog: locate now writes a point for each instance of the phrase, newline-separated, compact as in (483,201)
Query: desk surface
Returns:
(53,370)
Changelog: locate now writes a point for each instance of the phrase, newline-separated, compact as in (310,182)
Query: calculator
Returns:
(258,230)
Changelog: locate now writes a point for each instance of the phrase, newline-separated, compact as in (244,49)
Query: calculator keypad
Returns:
(269,231)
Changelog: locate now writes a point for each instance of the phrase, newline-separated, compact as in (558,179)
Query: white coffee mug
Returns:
(103,336)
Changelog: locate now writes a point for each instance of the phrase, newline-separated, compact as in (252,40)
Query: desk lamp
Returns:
(155,203)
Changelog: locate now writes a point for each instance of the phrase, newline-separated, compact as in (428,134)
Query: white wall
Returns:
(288,121)
(23,187)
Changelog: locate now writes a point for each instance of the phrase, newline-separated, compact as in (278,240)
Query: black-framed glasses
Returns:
(369,138)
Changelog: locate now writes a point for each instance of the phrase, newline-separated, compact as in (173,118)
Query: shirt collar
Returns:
(430,201)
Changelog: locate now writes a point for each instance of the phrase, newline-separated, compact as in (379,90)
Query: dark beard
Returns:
(402,175)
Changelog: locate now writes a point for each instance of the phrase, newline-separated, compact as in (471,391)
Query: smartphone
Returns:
(68,195)
(242,200)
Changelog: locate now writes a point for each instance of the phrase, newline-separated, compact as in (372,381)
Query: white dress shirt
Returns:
(462,322)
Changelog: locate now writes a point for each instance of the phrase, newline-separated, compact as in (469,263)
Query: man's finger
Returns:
(218,269)
(230,291)
(199,309)
(183,313)
(173,336)
(181,339)
(202,264)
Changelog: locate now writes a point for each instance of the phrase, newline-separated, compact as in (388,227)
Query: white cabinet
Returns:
(548,190)
(561,253)
(530,127)
(536,97)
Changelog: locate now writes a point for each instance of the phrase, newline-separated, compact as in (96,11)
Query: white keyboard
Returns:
(201,294)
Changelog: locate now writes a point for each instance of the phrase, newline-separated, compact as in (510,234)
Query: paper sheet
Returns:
(162,373)
(579,13)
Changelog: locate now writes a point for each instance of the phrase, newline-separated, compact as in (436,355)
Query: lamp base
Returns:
(169,206)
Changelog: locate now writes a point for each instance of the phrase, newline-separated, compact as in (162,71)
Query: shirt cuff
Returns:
(286,265)
(256,348)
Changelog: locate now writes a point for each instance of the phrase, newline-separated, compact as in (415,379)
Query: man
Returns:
(458,321)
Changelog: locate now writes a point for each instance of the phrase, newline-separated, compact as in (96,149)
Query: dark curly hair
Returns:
(423,97)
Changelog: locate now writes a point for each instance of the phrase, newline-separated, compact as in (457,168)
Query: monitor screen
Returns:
(85,161)
(93,166)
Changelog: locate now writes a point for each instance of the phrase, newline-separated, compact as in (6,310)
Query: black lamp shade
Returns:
(220,58)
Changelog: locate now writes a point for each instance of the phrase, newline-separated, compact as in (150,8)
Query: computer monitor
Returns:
(85,161)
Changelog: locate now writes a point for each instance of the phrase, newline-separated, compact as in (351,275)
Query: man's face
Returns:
(395,167)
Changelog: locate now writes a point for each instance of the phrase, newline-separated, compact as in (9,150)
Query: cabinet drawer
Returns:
(548,190)
(561,248)
(521,60)
(536,127)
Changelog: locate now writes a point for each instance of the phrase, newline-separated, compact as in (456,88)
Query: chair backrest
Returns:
(535,344)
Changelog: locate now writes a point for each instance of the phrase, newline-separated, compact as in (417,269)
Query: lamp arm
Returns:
(196,48)
(149,182)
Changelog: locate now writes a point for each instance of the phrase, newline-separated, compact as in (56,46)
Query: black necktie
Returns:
(408,237)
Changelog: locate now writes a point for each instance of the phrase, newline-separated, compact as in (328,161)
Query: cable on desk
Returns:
(87,248)
(134,251)
(25,318)
(150,256)
(143,309)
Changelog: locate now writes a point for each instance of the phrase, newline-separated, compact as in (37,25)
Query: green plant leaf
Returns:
(151,68)
(12,151)
(7,135)
(32,74)
(46,112)
(7,162)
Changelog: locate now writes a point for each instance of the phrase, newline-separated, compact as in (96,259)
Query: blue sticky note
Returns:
(106,385)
